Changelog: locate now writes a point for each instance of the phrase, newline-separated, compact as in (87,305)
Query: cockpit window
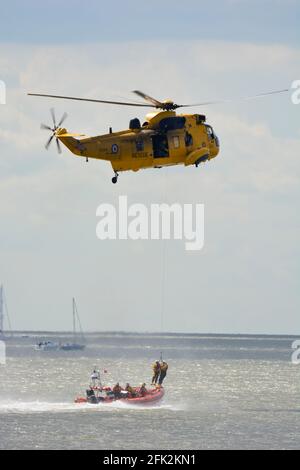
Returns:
(172,123)
(188,139)
(210,132)
(200,118)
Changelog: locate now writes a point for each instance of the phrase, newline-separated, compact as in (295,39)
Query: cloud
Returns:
(48,202)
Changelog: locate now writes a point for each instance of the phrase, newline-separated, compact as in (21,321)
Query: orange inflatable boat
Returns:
(96,395)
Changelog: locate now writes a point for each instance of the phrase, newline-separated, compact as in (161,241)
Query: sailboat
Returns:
(3,306)
(46,346)
(74,346)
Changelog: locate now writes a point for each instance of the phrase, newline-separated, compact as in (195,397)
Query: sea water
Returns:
(221,392)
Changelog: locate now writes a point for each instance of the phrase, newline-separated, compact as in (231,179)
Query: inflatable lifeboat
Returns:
(96,395)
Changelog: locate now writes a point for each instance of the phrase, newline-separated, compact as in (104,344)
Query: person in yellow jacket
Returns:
(156,371)
(117,390)
(163,372)
(130,390)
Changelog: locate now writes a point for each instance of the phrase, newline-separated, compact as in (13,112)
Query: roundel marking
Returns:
(114,148)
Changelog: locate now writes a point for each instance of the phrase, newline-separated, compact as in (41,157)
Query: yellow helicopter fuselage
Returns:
(164,139)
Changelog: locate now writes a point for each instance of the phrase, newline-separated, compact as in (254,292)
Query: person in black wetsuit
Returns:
(163,372)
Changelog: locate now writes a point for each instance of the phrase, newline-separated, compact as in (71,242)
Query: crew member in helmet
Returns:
(117,390)
(130,390)
(143,390)
(163,372)
(156,371)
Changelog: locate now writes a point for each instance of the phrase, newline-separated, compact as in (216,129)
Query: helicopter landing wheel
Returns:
(114,179)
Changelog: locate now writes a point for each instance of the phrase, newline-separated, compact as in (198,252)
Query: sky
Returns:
(246,278)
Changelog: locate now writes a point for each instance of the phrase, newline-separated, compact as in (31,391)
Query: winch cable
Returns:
(163,264)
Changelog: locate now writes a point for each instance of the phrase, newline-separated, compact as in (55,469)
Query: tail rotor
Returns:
(53,130)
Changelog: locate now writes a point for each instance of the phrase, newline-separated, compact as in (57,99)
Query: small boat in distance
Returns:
(74,345)
(46,346)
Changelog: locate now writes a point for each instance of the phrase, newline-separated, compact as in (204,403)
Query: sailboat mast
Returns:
(74,319)
(1,310)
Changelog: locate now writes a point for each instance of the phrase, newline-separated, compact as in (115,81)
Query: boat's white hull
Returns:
(46,347)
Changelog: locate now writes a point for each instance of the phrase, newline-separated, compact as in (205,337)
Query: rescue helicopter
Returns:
(164,139)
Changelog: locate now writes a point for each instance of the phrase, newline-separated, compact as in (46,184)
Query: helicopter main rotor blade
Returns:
(148,98)
(166,105)
(260,95)
(90,100)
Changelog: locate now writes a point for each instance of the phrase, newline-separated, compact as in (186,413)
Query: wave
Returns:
(28,407)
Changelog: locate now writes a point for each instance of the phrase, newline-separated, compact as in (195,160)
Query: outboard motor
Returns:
(90,396)
(134,124)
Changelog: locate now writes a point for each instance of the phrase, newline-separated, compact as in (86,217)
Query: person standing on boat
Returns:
(156,371)
(95,378)
(163,372)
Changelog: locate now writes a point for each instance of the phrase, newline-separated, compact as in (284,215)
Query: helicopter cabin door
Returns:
(169,141)
(160,146)
(177,145)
